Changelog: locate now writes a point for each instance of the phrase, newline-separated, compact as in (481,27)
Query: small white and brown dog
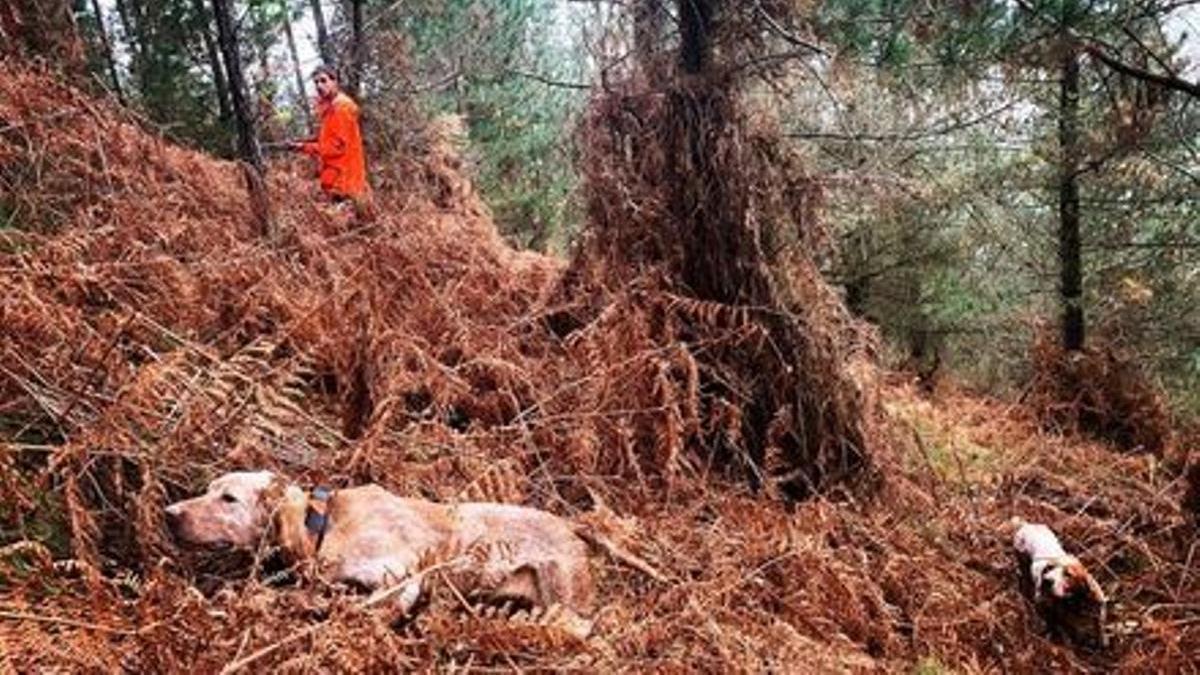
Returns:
(369,537)
(1052,571)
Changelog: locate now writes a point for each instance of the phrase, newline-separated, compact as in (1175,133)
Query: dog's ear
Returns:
(288,524)
(1080,582)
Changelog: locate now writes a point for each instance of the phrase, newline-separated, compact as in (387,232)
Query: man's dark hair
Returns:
(325,69)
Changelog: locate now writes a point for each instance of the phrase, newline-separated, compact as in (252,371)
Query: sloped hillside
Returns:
(150,339)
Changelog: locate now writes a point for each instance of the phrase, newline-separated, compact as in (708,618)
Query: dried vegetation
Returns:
(151,339)
(1101,390)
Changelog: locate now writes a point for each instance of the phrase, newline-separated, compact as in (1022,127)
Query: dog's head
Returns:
(234,511)
(239,509)
(1068,578)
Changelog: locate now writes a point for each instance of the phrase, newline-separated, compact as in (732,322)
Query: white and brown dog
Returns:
(1052,571)
(372,538)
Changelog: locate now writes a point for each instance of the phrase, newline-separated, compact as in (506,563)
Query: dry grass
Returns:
(151,339)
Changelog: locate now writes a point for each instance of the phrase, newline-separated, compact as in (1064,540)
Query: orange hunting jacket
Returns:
(339,148)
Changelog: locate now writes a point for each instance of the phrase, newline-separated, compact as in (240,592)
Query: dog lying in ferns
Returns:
(374,539)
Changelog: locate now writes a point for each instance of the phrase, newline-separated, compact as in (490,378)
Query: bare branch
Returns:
(786,34)
(907,136)
(538,77)
(1172,82)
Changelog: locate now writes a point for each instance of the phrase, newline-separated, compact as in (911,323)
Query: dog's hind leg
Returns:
(535,583)
(520,586)
(547,590)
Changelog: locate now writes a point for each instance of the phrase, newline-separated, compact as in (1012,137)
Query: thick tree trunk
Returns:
(695,27)
(716,264)
(1069,240)
(723,260)
(248,147)
(221,85)
(324,44)
(138,30)
(358,48)
(301,96)
(649,19)
(243,113)
(110,63)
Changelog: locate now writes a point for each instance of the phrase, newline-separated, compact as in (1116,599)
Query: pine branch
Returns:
(1102,51)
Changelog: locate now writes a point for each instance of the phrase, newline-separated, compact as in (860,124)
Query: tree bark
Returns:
(243,113)
(106,45)
(324,44)
(248,147)
(357,48)
(724,260)
(137,28)
(221,85)
(722,257)
(1069,239)
(695,19)
(673,180)
(649,18)
(301,96)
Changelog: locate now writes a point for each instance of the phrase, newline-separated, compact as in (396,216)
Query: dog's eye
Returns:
(228,498)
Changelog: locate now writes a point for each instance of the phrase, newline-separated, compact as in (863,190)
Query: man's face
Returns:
(327,87)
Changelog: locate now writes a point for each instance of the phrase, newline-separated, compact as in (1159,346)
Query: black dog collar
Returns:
(316,518)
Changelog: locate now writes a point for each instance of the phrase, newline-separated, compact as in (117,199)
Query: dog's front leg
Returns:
(410,593)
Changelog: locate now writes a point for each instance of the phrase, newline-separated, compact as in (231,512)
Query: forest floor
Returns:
(153,336)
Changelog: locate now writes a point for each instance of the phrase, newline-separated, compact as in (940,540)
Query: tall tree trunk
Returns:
(695,19)
(723,260)
(301,96)
(358,47)
(649,19)
(105,44)
(324,44)
(717,265)
(137,28)
(243,111)
(224,106)
(1069,240)
(248,147)
(721,256)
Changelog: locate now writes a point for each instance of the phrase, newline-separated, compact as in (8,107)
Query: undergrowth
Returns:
(154,340)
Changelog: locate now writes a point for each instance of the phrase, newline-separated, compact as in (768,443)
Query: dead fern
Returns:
(150,340)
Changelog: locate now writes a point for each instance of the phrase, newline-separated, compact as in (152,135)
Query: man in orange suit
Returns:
(338,146)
